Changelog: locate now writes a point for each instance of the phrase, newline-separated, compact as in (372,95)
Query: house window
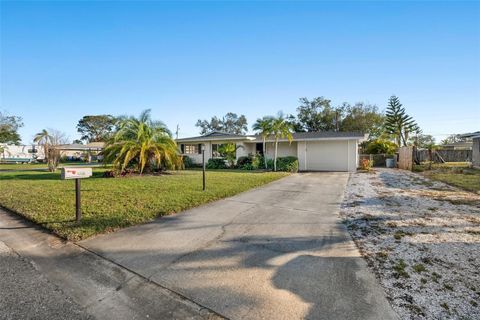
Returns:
(215,152)
(216,148)
(190,149)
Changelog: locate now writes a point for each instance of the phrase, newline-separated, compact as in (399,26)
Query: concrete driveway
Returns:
(276,252)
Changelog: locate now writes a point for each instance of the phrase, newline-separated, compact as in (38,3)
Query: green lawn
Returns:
(112,203)
(455,173)
(30,166)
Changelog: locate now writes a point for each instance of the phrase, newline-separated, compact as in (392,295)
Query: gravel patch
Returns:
(421,238)
(26,294)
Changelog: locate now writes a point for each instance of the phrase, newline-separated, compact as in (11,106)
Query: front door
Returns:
(259,148)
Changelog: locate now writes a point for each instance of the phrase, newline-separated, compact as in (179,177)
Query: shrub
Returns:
(366,164)
(242,161)
(270,164)
(252,162)
(188,162)
(216,164)
(288,164)
(380,146)
(109,174)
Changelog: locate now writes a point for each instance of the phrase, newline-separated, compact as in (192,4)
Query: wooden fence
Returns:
(405,158)
(446,155)
(378,159)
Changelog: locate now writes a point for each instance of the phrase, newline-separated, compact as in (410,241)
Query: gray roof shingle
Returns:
(296,136)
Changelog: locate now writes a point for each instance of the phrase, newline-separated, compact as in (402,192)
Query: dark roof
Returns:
(78,147)
(471,135)
(318,135)
(215,135)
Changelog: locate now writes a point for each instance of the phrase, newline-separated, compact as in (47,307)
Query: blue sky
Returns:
(190,60)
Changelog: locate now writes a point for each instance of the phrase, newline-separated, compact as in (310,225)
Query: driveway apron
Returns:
(275,252)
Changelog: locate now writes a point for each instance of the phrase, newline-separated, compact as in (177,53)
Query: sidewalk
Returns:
(46,278)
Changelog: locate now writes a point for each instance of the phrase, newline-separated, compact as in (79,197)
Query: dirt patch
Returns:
(422,239)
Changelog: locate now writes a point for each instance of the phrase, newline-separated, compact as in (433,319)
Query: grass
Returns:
(454,173)
(400,267)
(41,166)
(419,268)
(112,203)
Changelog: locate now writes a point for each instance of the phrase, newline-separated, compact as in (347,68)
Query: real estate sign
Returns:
(76,173)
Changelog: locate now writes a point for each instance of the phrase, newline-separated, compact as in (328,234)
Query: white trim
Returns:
(305,156)
(254,140)
(348,155)
(213,139)
(316,139)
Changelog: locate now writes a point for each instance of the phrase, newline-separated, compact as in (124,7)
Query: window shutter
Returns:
(182,148)
(199,148)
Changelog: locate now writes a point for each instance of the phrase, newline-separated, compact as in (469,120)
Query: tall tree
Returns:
(398,122)
(143,142)
(51,139)
(317,115)
(96,128)
(45,139)
(364,118)
(263,126)
(230,123)
(9,126)
(281,128)
(453,138)
(423,140)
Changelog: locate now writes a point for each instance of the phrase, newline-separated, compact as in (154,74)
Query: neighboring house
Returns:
(460,145)
(475,136)
(316,151)
(28,153)
(79,151)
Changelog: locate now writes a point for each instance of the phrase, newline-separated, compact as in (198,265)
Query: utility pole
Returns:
(203,167)
(336,120)
(176,132)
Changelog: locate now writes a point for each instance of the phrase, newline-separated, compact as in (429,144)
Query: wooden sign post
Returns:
(77,174)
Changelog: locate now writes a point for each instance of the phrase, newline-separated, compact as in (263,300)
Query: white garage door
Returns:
(327,155)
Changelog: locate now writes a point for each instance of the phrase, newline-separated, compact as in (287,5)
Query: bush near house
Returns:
(288,164)
(252,162)
(366,164)
(188,163)
(216,163)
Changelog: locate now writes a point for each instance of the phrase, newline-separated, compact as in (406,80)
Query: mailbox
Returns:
(76,173)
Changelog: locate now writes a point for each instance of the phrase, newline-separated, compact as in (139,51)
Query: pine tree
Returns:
(398,123)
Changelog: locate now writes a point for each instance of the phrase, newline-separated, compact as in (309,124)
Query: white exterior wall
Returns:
(476,152)
(285,149)
(197,157)
(301,154)
(328,155)
(243,150)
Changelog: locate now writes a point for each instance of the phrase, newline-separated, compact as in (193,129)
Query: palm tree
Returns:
(43,138)
(142,141)
(263,126)
(281,128)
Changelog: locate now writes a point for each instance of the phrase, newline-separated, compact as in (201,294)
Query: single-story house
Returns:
(475,136)
(460,145)
(316,151)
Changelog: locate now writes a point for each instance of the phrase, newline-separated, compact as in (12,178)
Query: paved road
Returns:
(27,294)
(277,252)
